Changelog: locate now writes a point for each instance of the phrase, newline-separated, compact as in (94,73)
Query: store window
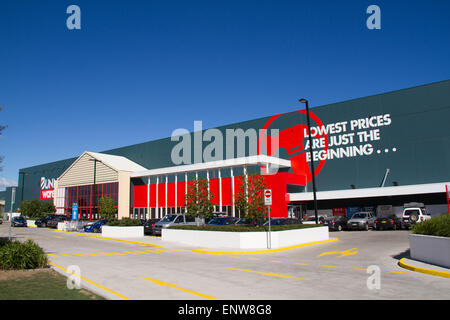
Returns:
(88,198)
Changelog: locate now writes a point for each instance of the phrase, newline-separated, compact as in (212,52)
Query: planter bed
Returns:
(430,249)
(31,224)
(245,239)
(122,232)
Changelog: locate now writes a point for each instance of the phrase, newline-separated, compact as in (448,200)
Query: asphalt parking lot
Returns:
(149,268)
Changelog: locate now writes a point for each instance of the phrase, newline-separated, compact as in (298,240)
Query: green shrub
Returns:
(17,255)
(437,226)
(246,228)
(124,222)
(3,241)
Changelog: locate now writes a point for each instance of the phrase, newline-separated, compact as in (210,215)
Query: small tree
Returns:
(47,207)
(106,208)
(36,209)
(198,200)
(250,199)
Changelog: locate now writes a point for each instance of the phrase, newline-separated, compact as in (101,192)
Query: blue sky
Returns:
(137,70)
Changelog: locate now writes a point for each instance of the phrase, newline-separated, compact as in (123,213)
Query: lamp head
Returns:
(303,100)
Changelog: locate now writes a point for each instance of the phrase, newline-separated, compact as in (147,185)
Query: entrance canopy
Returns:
(260,160)
(371,192)
(93,167)
(93,176)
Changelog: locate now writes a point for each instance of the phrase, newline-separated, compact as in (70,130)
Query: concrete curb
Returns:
(408,264)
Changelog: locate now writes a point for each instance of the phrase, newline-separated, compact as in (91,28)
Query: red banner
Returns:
(339,212)
(48,194)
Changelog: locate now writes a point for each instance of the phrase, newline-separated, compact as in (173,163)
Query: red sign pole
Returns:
(448,198)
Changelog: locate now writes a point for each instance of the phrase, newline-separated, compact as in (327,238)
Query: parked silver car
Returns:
(172,220)
(361,221)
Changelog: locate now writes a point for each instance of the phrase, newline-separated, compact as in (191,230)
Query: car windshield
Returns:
(169,218)
(332,218)
(19,218)
(359,216)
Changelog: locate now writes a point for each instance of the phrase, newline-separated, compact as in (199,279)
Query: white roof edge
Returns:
(118,163)
(203,166)
(371,192)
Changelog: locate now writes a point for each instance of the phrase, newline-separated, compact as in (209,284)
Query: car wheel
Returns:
(339,228)
(366,227)
(413,218)
(394,227)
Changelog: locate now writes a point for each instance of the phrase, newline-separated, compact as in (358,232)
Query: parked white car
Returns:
(413,213)
(312,219)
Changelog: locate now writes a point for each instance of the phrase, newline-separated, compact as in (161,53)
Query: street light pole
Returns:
(23,184)
(311,157)
(13,197)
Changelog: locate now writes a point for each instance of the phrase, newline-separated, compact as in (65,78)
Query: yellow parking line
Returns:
(166,284)
(112,239)
(93,254)
(106,254)
(52,255)
(130,252)
(326,266)
(253,259)
(275,261)
(120,254)
(66,255)
(301,264)
(264,251)
(153,251)
(268,273)
(400,272)
(361,269)
(89,281)
(142,252)
(57,237)
(344,253)
(79,254)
